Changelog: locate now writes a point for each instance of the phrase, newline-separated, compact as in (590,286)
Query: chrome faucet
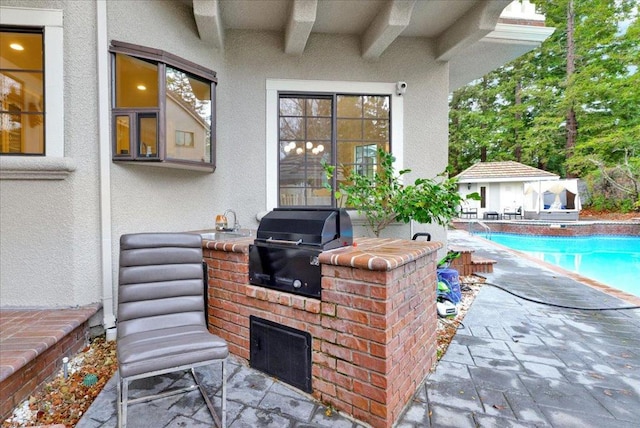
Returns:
(236,225)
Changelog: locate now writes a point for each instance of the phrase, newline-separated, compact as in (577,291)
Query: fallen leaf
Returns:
(64,401)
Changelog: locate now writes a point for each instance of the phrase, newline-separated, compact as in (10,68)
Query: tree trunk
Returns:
(517,149)
(484,107)
(572,122)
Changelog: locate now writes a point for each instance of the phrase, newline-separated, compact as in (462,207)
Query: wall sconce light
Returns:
(468,186)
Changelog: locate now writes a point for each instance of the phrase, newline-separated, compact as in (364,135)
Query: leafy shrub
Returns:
(384,199)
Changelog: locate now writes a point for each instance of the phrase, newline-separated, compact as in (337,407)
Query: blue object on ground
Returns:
(452,279)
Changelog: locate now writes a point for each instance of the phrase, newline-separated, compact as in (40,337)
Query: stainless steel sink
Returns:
(224,236)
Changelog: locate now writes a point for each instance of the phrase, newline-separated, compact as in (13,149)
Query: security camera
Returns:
(401,88)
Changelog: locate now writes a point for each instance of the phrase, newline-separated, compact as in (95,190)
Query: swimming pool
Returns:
(612,260)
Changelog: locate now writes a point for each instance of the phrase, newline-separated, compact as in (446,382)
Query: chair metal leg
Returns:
(224,393)
(207,400)
(119,399)
(123,392)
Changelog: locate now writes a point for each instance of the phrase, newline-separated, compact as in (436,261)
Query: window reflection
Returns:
(188,115)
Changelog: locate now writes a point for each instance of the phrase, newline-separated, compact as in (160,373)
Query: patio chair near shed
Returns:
(161,316)
(466,212)
(510,212)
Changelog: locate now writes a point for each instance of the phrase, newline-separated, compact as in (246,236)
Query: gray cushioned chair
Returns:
(161,315)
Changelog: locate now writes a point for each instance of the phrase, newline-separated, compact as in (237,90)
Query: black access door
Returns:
(281,351)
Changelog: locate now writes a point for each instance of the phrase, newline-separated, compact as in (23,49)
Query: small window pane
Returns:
(288,149)
(292,128)
(319,107)
(349,106)
(136,82)
(21,51)
(349,129)
(316,176)
(376,107)
(291,106)
(376,130)
(292,173)
(21,134)
(318,129)
(22,91)
(123,135)
(302,177)
(148,127)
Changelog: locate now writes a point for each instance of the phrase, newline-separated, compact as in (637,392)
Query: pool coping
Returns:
(551,228)
(607,289)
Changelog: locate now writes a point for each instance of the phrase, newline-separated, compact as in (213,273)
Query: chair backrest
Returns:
(160,282)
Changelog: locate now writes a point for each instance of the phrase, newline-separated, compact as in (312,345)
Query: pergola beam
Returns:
(209,22)
(471,28)
(386,27)
(299,25)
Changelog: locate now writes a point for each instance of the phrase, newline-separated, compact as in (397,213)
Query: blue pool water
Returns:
(612,260)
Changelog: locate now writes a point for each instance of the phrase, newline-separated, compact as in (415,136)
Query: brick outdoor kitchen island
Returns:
(373,331)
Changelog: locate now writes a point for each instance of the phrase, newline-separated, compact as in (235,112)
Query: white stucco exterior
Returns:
(57,234)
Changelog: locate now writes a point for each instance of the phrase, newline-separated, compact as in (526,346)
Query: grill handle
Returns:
(283,241)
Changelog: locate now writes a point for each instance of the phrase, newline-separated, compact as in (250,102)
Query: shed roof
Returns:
(503,171)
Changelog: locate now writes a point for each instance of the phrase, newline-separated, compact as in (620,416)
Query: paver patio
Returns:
(514,364)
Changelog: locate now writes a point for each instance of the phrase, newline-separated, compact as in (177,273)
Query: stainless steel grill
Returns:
(284,255)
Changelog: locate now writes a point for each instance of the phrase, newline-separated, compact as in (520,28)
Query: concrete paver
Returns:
(514,364)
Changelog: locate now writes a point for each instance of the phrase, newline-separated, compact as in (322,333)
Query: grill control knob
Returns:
(297,283)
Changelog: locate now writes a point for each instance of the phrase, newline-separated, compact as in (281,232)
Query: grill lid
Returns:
(326,228)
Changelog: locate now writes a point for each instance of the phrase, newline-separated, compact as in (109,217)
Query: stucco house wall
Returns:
(49,229)
(51,236)
(59,237)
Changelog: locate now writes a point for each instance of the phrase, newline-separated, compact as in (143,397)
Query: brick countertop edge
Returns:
(379,254)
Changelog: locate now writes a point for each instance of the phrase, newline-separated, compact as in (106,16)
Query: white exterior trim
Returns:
(508,179)
(104,139)
(273,86)
(520,33)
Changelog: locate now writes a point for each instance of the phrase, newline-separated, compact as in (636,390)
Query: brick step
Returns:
(32,344)
(481,264)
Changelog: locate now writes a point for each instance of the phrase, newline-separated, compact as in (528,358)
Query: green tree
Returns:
(569,106)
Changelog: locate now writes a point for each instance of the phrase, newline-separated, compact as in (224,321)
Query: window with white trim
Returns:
(343,130)
(21,91)
(340,122)
(31,82)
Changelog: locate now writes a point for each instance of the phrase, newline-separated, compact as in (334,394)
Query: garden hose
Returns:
(620,308)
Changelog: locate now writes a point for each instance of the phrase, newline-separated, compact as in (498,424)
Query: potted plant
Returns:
(383,198)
